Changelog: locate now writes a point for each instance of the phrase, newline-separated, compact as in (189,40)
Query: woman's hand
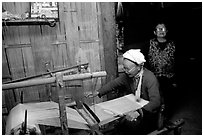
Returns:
(132,116)
(92,95)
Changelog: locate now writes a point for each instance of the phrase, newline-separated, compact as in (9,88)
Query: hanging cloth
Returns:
(119,11)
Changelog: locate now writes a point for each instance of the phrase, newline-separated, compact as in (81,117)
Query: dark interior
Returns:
(184,24)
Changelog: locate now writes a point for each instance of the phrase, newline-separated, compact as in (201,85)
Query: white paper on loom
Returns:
(122,105)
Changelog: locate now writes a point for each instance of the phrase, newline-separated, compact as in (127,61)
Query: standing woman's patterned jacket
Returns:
(161,58)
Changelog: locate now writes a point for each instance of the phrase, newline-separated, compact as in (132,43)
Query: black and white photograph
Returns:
(101,68)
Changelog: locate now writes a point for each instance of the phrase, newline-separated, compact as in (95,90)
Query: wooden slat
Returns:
(57,58)
(16,66)
(89,52)
(64,54)
(61,26)
(15,6)
(5,67)
(30,94)
(101,46)
(70,23)
(88,21)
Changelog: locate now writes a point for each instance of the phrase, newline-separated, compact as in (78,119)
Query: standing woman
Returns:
(161,61)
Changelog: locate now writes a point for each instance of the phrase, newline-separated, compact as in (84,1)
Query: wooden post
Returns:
(109,39)
(62,108)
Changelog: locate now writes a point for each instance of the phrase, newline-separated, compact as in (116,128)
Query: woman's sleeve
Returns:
(153,92)
(112,85)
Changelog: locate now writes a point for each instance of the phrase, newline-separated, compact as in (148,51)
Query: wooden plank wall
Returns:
(77,38)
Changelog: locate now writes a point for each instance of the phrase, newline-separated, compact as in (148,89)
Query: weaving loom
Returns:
(47,113)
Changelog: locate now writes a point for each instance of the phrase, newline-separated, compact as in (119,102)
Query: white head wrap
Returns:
(134,55)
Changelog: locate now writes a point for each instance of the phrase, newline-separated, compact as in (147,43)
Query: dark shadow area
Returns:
(184,24)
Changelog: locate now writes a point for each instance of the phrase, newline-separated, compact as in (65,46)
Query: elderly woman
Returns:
(141,82)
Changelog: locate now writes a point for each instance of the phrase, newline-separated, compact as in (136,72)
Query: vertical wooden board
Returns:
(16,62)
(109,39)
(101,46)
(6,35)
(8,96)
(65,24)
(60,34)
(4,124)
(109,42)
(57,57)
(16,67)
(35,37)
(54,56)
(46,42)
(28,61)
(3,99)
(60,26)
(42,91)
(45,57)
(60,56)
(9,6)
(41,51)
(63,53)
(9,35)
(71,30)
(5,67)
(13,7)
(24,35)
(89,52)
(41,55)
(81,56)
(87,17)
(22,7)
(31,93)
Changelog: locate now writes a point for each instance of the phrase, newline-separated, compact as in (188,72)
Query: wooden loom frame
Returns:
(59,79)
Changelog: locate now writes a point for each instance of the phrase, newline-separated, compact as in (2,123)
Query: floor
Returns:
(189,100)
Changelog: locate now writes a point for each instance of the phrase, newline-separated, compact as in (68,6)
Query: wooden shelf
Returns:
(50,22)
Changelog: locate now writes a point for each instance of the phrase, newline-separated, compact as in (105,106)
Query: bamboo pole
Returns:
(42,81)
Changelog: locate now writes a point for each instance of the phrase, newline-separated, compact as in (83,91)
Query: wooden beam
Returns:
(109,39)
(42,81)
(65,70)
